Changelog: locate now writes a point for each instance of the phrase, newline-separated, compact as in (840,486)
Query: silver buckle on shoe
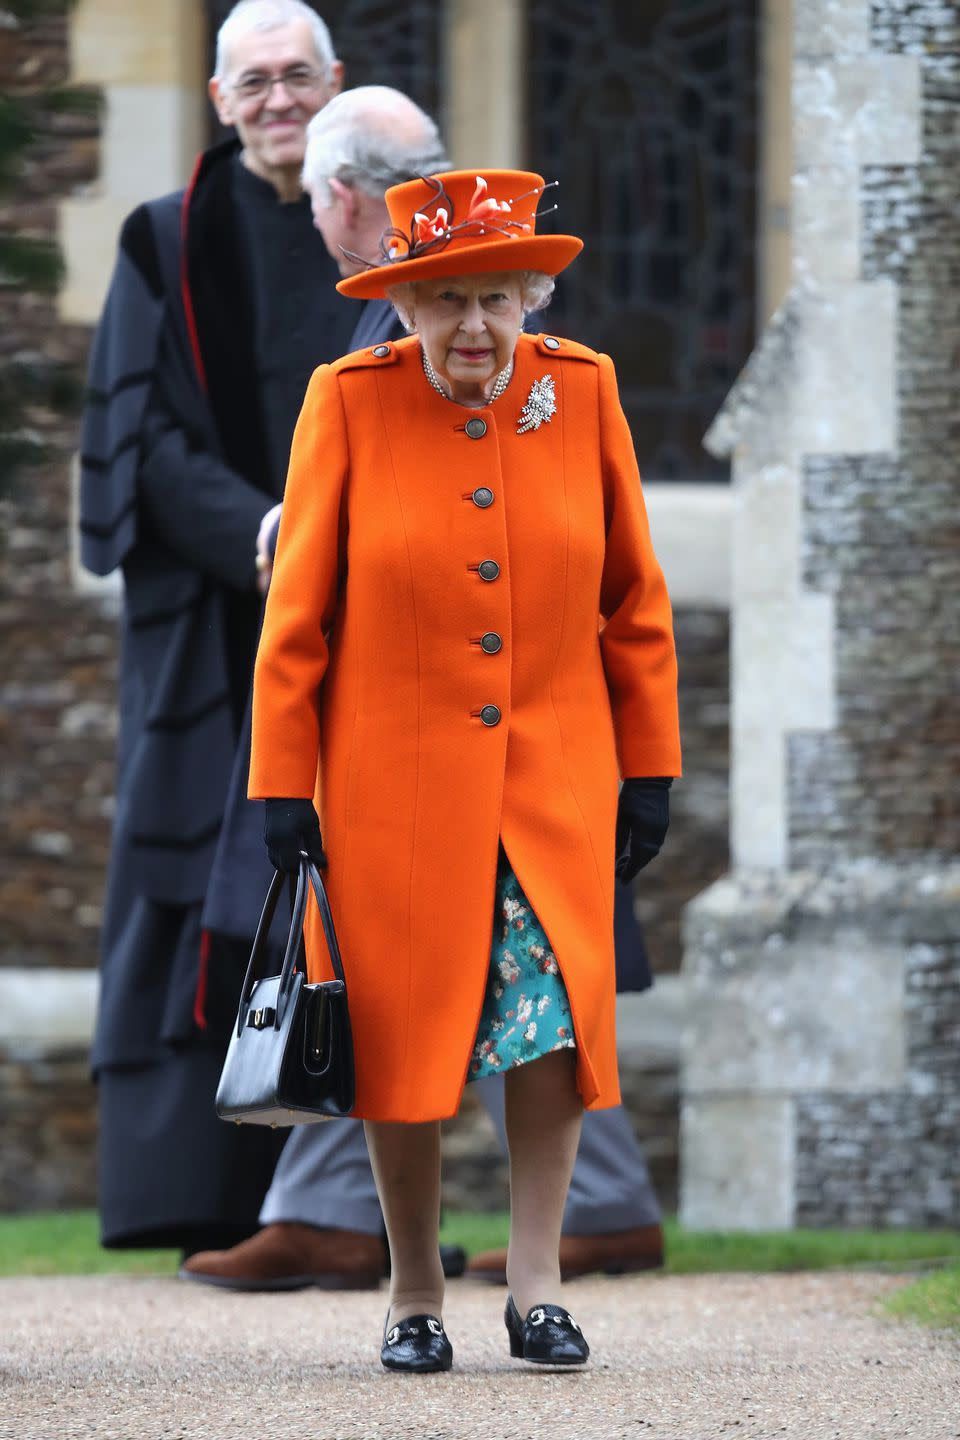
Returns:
(538,1316)
(394,1335)
(434,1326)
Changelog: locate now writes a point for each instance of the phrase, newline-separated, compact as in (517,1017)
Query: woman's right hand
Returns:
(289,827)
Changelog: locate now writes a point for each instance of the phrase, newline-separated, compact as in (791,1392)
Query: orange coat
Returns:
(370,663)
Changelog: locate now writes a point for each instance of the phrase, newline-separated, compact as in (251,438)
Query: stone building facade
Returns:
(821,1075)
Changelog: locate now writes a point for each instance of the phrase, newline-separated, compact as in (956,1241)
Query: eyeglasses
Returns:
(298,81)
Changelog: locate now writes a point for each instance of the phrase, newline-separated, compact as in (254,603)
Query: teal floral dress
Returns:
(526,1013)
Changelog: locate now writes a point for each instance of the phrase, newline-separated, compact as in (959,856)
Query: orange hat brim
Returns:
(547,253)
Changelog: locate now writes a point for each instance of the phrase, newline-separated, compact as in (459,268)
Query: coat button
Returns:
(482,497)
(491,643)
(476,428)
(381,350)
(489,569)
(551,342)
(490,715)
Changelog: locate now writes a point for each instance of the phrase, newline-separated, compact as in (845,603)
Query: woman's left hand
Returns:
(643,818)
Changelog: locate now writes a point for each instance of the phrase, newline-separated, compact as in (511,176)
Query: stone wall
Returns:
(883,537)
(49,1132)
(57,677)
(893,1159)
(882,534)
(885,781)
(838,1103)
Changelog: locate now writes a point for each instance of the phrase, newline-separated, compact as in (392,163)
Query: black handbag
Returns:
(290,1059)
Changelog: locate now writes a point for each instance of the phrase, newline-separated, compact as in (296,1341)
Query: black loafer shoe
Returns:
(418,1345)
(548,1336)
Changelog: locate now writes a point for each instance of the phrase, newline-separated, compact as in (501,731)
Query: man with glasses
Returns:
(221,305)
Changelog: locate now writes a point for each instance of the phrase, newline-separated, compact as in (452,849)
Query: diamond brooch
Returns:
(541,405)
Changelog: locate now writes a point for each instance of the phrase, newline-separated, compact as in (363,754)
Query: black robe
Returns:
(178,466)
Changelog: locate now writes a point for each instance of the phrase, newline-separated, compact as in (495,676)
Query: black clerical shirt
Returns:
(301,321)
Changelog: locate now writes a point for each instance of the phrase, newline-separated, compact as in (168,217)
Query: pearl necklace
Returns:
(499,385)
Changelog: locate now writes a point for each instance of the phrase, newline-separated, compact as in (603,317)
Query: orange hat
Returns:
(462,223)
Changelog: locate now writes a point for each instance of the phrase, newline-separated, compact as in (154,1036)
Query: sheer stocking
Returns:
(543,1117)
(406,1168)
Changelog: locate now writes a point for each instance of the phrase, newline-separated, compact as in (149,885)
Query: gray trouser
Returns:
(324,1178)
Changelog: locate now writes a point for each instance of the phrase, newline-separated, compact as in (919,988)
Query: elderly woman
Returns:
(467,643)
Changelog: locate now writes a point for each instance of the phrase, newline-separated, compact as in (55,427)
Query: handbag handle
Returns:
(326,915)
(308,877)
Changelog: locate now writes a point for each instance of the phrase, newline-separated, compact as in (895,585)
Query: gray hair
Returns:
(370,138)
(270,15)
(536,289)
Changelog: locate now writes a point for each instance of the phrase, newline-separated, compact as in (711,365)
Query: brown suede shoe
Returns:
(617,1253)
(287,1256)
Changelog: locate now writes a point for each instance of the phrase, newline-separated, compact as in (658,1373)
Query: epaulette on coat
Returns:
(373,355)
(555,347)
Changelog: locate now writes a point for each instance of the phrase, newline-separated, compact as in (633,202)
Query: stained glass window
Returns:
(645,111)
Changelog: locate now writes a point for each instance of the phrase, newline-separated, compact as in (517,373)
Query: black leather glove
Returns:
(289,827)
(643,818)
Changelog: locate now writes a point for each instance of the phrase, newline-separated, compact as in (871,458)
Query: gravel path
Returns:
(800,1356)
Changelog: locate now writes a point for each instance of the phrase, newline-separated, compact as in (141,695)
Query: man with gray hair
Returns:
(362,142)
(371,138)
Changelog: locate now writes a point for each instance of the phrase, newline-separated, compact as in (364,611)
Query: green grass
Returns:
(474,1231)
(66,1244)
(699,1252)
(932,1300)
